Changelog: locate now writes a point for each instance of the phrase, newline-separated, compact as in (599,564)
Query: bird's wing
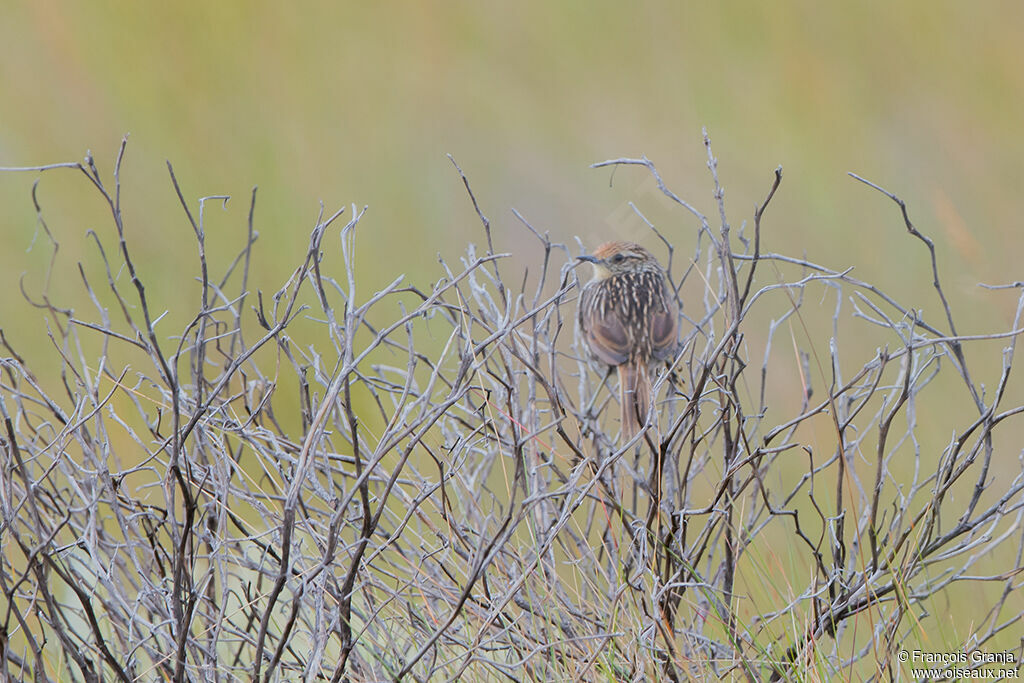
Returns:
(609,339)
(664,333)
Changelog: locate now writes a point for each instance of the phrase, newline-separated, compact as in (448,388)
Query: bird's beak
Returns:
(588,259)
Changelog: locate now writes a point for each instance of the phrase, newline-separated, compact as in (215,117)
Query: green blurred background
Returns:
(360,103)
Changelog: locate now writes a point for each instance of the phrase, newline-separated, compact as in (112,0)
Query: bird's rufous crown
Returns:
(609,249)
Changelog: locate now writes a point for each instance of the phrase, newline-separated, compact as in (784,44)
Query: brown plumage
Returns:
(629,319)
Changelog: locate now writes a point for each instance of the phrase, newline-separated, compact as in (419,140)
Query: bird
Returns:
(628,316)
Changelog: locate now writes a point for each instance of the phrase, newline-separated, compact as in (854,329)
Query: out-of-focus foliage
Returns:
(356,102)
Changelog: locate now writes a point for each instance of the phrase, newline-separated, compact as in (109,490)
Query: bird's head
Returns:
(612,258)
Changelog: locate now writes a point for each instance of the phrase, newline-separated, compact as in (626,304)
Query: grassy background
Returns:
(361,104)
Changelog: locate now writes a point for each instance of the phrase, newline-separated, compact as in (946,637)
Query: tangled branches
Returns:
(426,482)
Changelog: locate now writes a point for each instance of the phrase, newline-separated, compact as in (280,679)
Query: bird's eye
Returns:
(617,258)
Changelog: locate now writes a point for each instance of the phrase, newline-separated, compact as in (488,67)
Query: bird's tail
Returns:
(634,397)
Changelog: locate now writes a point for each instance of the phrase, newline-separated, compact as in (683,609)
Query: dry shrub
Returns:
(426,481)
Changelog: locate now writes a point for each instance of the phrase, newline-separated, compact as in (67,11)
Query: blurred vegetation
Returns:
(355,103)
